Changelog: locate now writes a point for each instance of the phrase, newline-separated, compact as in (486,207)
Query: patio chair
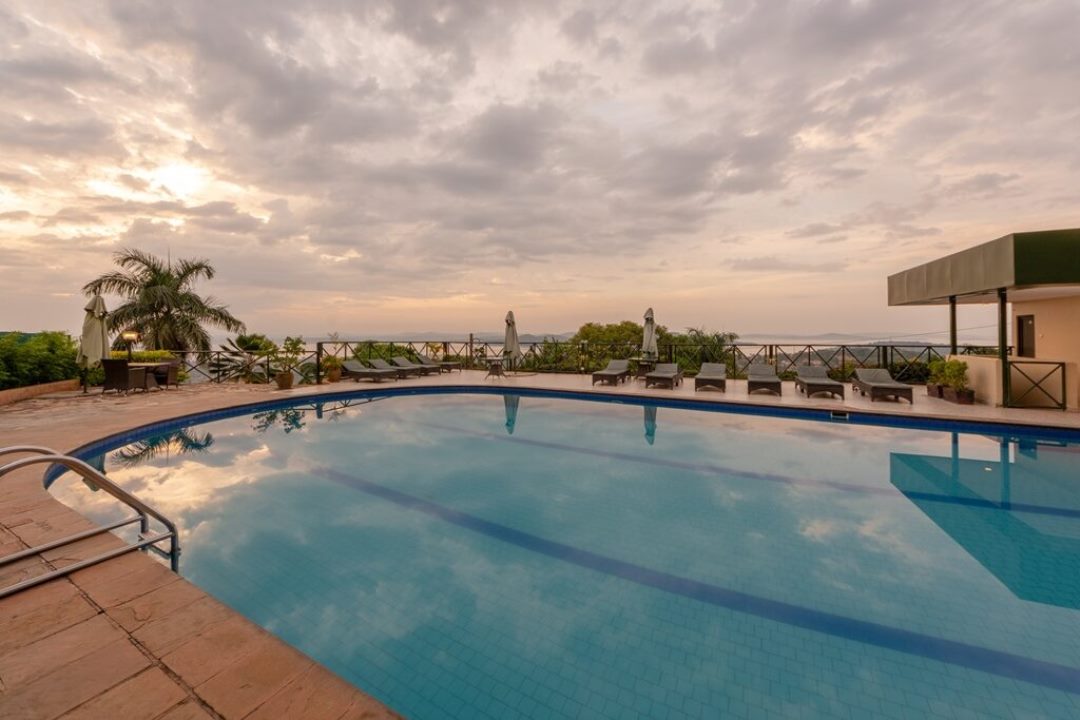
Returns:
(402,372)
(664,375)
(403,362)
(813,379)
(358,371)
(121,378)
(167,375)
(712,375)
(880,384)
(760,376)
(617,371)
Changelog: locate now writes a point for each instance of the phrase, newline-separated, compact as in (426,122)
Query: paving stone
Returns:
(39,612)
(315,694)
(247,684)
(154,605)
(143,697)
(161,636)
(68,686)
(26,663)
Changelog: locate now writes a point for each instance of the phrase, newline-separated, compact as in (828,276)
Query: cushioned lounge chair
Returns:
(404,362)
(711,375)
(357,371)
(664,375)
(760,376)
(402,372)
(442,365)
(122,378)
(813,379)
(880,384)
(617,371)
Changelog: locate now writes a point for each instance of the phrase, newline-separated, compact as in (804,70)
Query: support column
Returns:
(952,324)
(1003,345)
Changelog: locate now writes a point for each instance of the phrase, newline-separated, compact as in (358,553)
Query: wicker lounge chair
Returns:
(617,371)
(357,371)
(404,362)
(813,379)
(169,375)
(711,375)
(665,375)
(760,376)
(121,378)
(880,384)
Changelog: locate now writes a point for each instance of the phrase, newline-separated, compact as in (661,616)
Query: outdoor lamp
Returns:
(130,336)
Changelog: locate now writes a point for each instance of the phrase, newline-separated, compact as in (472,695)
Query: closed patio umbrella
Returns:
(511,403)
(511,346)
(649,349)
(94,341)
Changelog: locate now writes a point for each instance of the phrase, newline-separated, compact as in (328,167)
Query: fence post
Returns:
(318,363)
(445,350)
(469,359)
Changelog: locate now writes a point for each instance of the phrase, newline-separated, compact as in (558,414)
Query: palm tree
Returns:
(161,304)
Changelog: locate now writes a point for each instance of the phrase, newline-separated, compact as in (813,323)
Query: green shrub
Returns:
(955,374)
(31,359)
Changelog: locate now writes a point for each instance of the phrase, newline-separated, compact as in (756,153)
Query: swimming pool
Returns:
(485,555)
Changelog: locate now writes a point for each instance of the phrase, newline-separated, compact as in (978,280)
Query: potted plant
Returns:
(331,365)
(956,383)
(936,381)
(285,359)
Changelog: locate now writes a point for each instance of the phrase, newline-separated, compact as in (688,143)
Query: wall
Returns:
(25,393)
(1057,338)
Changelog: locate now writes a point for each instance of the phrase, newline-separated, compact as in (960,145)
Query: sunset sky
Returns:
(415,165)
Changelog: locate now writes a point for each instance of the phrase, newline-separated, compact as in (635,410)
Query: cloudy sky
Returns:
(409,165)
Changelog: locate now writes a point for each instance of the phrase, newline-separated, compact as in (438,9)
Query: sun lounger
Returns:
(402,372)
(356,370)
(879,383)
(712,375)
(813,379)
(664,375)
(616,371)
(443,365)
(762,377)
(403,362)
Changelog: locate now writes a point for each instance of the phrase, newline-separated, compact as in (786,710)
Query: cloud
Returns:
(338,150)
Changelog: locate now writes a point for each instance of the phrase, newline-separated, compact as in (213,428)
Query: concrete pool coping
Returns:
(129,638)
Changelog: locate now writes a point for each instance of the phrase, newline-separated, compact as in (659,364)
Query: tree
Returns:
(626,332)
(161,304)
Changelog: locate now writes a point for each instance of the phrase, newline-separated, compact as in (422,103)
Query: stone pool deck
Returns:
(130,639)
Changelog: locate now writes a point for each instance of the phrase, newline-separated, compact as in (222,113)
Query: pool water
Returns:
(487,556)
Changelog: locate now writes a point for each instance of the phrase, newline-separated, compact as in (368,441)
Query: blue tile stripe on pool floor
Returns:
(997,662)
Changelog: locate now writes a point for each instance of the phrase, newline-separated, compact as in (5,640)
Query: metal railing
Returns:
(1032,384)
(908,363)
(144,513)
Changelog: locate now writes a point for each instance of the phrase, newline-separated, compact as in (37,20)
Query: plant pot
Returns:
(965,396)
(933,389)
(333,374)
(284,380)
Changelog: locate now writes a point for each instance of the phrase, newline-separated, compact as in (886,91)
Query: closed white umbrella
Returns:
(648,339)
(94,341)
(511,346)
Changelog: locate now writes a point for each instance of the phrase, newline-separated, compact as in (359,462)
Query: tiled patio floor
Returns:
(129,639)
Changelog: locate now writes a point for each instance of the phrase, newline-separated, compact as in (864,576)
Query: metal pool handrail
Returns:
(44,455)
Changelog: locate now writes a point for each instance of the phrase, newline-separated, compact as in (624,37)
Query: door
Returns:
(1025,336)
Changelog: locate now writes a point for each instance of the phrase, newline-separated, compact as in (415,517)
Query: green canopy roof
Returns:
(1020,263)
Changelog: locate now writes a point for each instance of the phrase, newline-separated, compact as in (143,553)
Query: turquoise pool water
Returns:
(487,556)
